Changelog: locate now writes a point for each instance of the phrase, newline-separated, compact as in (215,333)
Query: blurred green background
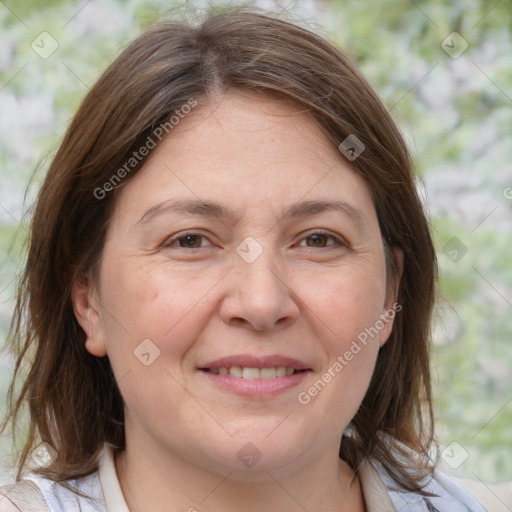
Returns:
(454,105)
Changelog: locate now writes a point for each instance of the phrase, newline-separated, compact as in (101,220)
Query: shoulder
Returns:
(18,496)
(86,494)
(494,497)
(447,494)
(38,494)
(6,505)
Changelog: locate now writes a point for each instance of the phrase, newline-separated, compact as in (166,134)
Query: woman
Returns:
(229,289)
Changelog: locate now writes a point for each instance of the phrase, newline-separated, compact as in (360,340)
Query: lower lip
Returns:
(256,387)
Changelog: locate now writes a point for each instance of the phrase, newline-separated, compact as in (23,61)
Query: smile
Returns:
(254,373)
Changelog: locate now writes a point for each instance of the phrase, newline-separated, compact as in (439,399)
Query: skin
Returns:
(305,296)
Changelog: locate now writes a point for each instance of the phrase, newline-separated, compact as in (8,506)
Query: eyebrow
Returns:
(213,209)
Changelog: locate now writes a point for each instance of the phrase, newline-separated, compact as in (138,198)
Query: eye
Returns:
(314,239)
(187,241)
(320,239)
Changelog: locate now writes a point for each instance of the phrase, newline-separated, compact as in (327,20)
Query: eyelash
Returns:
(169,243)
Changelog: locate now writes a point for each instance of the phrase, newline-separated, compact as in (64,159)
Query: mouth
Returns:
(251,373)
(253,376)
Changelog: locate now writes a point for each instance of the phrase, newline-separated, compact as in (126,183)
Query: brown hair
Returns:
(73,399)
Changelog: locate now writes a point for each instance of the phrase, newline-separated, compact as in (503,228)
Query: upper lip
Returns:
(252,361)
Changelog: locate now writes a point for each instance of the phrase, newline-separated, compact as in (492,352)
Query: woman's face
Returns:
(246,246)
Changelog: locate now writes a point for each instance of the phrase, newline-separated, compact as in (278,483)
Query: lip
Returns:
(252,361)
(255,388)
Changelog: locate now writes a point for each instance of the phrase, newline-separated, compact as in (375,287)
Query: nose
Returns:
(259,297)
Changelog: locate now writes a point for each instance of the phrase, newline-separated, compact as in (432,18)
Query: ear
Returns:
(87,312)
(391,306)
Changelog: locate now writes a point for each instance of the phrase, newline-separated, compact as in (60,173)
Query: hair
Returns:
(71,397)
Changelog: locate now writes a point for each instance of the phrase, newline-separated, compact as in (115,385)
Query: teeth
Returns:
(268,373)
(281,371)
(255,373)
(251,373)
(236,371)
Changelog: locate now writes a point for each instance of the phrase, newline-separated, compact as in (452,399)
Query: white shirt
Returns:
(379,492)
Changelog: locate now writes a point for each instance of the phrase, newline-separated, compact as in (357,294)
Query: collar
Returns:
(114,499)
(374,490)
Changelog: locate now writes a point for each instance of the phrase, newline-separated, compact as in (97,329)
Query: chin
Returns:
(251,459)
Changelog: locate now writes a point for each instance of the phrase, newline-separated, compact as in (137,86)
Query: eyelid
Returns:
(171,240)
(336,237)
(183,234)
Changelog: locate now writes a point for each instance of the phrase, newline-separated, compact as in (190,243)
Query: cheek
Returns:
(155,316)
(347,305)
(346,301)
(154,303)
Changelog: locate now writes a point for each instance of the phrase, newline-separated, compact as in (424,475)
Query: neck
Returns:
(153,480)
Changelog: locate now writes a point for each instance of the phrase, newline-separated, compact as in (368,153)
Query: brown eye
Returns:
(187,241)
(321,240)
(190,241)
(318,240)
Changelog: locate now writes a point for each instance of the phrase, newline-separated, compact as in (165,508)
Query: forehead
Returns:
(254,154)
(225,129)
